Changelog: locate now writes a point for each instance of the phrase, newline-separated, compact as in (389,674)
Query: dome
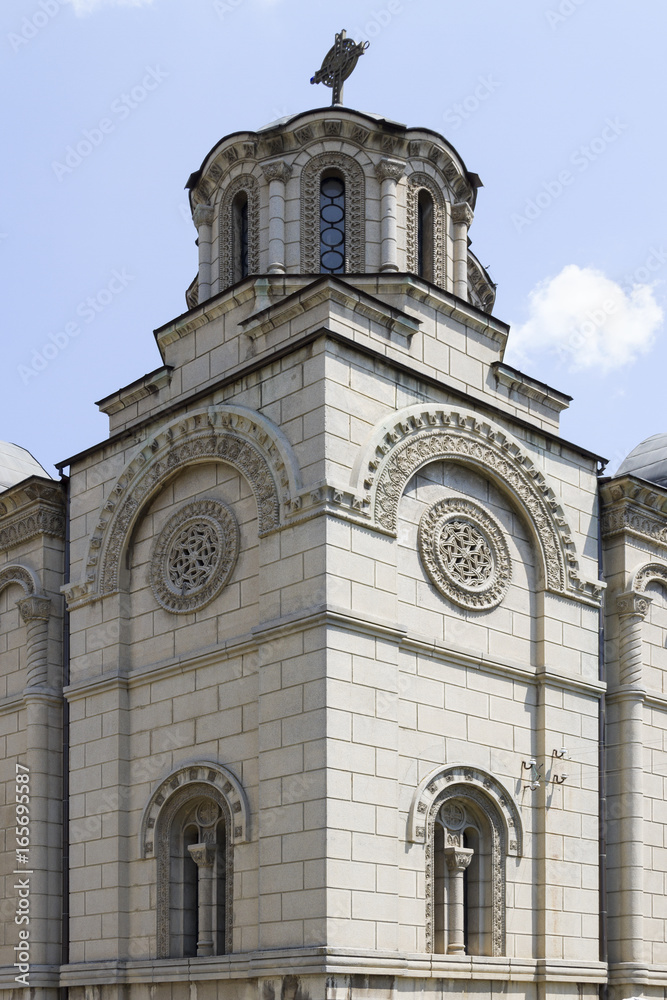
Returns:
(647,461)
(17,464)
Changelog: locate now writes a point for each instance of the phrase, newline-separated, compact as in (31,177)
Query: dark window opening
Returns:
(332,225)
(240,235)
(425,235)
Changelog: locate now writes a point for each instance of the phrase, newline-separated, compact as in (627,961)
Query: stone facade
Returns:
(331,692)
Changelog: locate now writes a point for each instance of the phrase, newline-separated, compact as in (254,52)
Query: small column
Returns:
(457,859)
(203,220)
(629,698)
(43,708)
(277,174)
(35,612)
(462,216)
(389,173)
(203,856)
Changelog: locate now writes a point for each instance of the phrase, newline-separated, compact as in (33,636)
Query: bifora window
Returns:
(332,225)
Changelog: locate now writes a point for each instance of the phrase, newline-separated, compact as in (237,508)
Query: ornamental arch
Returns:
(419,435)
(449,803)
(194,819)
(238,436)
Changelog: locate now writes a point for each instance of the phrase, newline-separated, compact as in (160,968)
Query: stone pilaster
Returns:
(462,216)
(629,699)
(389,173)
(203,220)
(277,174)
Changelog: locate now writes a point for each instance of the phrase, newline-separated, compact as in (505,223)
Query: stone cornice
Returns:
(634,507)
(32,508)
(146,386)
(516,381)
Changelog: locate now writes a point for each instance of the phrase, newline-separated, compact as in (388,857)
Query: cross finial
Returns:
(338,64)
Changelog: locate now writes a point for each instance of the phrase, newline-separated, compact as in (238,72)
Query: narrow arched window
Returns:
(332,224)
(462,880)
(197,874)
(240,236)
(425,235)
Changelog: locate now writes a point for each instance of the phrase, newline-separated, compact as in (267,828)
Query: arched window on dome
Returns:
(240,235)
(425,245)
(332,223)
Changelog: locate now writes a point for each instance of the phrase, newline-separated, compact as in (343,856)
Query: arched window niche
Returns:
(469,824)
(426,229)
(238,231)
(190,826)
(240,236)
(332,223)
(319,177)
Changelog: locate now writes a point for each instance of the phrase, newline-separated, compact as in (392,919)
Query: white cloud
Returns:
(88,6)
(587,320)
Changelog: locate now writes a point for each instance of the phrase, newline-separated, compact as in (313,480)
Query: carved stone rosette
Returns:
(465,553)
(194,556)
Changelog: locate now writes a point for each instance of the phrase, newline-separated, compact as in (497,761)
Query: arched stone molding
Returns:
(649,573)
(20,575)
(210,782)
(206,773)
(35,609)
(468,783)
(417,182)
(236,435)
(429,789)
(419,435)
(355,211)
(248,183)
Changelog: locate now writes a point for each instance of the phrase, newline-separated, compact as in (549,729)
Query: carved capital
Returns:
(34,607)
(389,169)
(462,212)
(277,170)
(203,215)
(203,855)
(633,603)
(456,858)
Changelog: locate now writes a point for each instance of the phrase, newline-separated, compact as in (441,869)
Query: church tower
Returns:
(332,687)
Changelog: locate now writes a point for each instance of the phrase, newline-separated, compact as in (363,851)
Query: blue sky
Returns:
(557,104)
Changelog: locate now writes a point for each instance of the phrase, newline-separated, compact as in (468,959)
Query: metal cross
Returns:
(338,64)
